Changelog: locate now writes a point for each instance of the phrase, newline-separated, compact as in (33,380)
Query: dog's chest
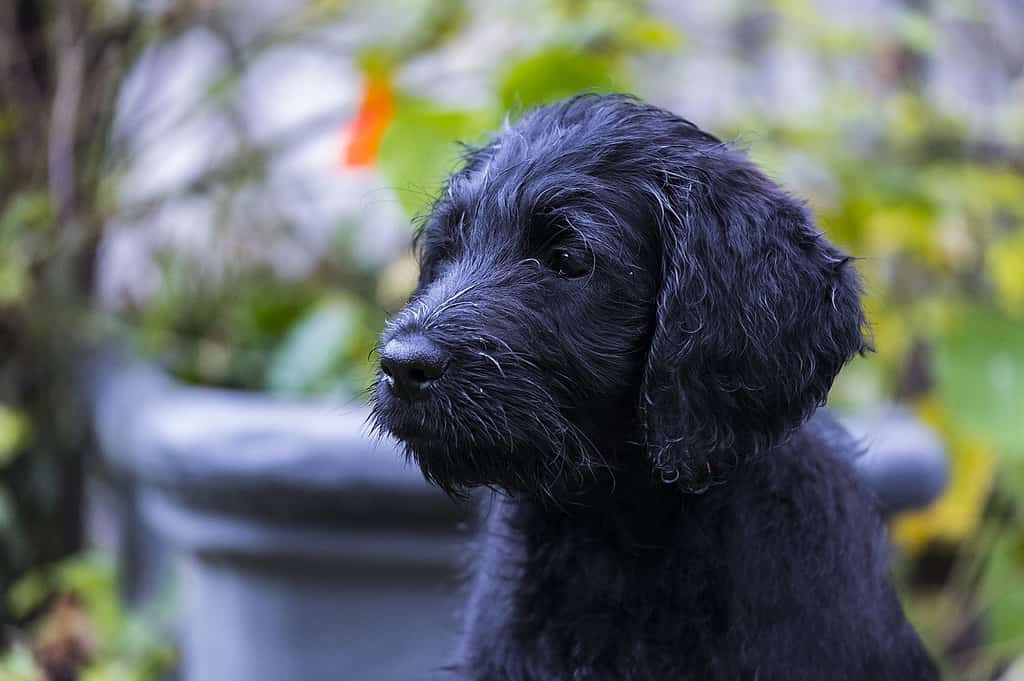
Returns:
(603,602)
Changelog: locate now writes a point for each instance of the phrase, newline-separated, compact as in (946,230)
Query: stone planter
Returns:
(304,550)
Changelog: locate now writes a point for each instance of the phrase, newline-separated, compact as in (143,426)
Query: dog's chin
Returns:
(457,457)
(426,441)
(456,472)
(455,475)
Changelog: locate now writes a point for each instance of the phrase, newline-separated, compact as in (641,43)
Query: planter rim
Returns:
(251,453)
(302,460)
(233,537)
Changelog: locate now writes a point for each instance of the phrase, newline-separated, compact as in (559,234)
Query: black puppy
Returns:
(622,327)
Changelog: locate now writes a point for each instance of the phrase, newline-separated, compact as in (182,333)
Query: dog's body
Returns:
(780,574)
(623,327)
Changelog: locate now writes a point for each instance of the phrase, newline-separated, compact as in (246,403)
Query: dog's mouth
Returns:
(406,420)
(428,438)
(526,447)
(459,445)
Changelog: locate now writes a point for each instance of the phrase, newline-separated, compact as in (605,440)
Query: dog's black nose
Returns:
(411,363)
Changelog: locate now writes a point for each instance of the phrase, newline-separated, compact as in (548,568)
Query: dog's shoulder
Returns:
(805,550)
(807,491)
(818,460)
(801,522)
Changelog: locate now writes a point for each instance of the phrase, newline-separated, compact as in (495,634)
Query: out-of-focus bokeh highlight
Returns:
(227,190)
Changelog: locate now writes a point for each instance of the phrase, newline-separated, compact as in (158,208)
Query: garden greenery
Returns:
(933,206)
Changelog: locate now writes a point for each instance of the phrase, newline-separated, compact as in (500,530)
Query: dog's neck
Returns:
(628,509)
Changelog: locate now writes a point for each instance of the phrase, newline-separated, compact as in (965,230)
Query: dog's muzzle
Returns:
(411,363)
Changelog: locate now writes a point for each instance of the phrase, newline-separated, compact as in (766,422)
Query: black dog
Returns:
(623,327)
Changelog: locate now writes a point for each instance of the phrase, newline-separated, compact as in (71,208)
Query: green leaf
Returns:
(1005,264)
(651,34)
(980,368)
(19,220)
(918,31)
(29,210)
(1001,591)
(556,73)
(14,280)
(313,353)
(29,592)
(14,430)
(19,665)
(420,148)
(93,578)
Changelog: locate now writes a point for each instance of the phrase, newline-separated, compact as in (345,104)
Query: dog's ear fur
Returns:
(755,316)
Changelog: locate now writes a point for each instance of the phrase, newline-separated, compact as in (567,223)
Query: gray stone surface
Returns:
(303,550)
(904,462)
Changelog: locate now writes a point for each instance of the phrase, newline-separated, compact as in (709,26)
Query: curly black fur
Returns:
(637,325)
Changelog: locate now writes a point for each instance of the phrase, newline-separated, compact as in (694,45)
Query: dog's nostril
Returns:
(418,374)
(412,362)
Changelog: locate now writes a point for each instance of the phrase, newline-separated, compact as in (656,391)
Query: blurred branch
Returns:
(941,147)
(64,115)
(996,154)
(239,164)
(22,64)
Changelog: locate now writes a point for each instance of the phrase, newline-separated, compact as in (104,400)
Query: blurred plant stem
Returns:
(931,196)
(61,66)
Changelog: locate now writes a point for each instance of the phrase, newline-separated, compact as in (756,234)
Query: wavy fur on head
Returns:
(711,300)
(622,311)
(755,316)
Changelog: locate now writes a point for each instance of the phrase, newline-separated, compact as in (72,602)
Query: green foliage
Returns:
(18,665)
(647,33)
(555,73)
(940,227)
(937,216)
(219,334)
(252,330)
(420,148)
(51,221)
(979,364)
(78,609)
(1001,593)
(324,352)
(14,432)
(23,224)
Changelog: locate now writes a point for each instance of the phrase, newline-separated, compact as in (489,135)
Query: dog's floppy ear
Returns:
(755,316)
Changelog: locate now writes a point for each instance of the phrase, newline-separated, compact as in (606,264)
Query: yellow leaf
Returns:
(891,328)
(13,433)
(649,33)
(905,229)
(956,514)
(1005,260)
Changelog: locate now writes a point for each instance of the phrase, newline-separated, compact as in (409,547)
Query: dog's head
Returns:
(605,279)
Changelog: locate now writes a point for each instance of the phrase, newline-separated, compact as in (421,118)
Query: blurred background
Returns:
(206,209)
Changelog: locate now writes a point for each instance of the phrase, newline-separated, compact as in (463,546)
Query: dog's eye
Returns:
(569,264)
